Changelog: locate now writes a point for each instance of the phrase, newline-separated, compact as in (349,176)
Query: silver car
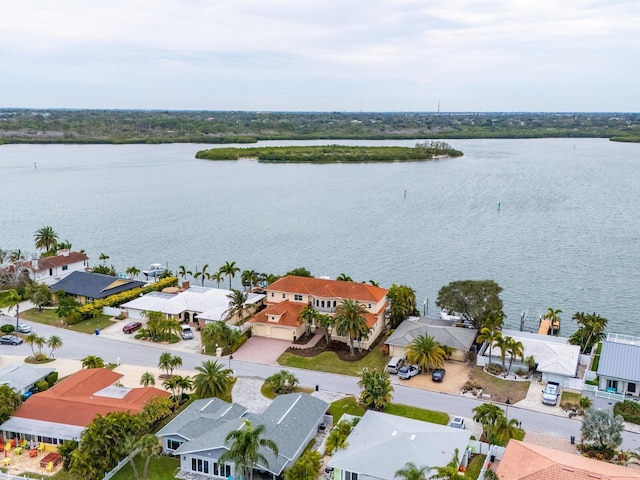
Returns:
(24,328)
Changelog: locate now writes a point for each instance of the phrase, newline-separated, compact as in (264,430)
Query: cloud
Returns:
(400,54)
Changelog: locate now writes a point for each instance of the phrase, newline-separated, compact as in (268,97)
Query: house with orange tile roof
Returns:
(63,411)
(526,461)
(287,297)
(49,270)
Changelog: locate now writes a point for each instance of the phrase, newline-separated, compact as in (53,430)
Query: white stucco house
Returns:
(49,270)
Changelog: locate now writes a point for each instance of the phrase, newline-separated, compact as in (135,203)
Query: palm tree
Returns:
(514,349)
(344,278)
(202,274)
(212,380)
(31,341)
(308,314)
(554,316)
(237,305)
(244,450)
(65,245)
(338,436)
(133,272)
(425,352)
(217,277)
(54,343)
(489,415)
(220,334)
(491,337)
(183,272)
(92,361)
(16,256)
(147,379)
(229,270)
(411,472)
(351,321)
(327,322)
(103,258)
(504,431)
(169,362)
(171,384)
(282,382)
(249,278)
(376,389)
(153,319)
(450,470)
(45,239)
(149,447)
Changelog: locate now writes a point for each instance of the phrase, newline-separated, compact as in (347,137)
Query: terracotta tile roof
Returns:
(526,461)
(288,311)
(320,287)
(74,401)
(45,263)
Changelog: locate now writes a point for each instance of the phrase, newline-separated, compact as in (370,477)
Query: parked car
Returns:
(24,328)
(131,327)
(187,333)
(550,393)
(395,364)
(10,340)
(457,422)
(438,374)
(408,371)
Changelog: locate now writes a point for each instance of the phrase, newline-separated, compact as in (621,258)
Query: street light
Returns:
(508,402)
(425,307)
(17,315)
(230,358)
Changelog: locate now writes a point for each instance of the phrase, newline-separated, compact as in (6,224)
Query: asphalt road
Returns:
(79,345)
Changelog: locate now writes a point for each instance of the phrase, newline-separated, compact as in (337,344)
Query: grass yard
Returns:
(160,468)
(350,406)
(498,388)
(330,362)
(268,392)
(475,465)
(49,317)
(570,397)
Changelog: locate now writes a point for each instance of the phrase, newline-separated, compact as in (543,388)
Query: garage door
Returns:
(282,333)
(259,330)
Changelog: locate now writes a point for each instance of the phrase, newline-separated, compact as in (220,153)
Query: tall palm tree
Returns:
(249,278)
(426,352)
(376,389)
(92,361)
(244,449)
(133,272)
(103,258)
(237,305)
(65,245)
(505,430)
(16,256)
(337,438)
(217,277)
(515,349)
(171,384)
(149,447)
(327,322)
(343,277)
(54,343)
(308,315)
(229,270)
(351,321)
(147,379)
(45,238)
(183,272)
(202,274)
(554,316)
(212,380)
(489,415)
(491,337)
(412,472)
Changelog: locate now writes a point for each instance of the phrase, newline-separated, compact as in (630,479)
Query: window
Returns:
(273,294)
(631,387)
(65,267)
(350,476)
(221,470)
(297,298)
(173,444)
(284,295)
(612,385)
(199,465)
(369,305)
(50,271)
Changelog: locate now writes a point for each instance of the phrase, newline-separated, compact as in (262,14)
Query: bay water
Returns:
(555,222)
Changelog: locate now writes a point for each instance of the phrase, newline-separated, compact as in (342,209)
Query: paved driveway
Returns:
(456,376)
(262,350)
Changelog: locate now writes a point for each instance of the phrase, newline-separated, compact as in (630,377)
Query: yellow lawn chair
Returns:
(50,467)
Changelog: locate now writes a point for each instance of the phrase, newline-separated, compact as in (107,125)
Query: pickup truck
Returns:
(550,393)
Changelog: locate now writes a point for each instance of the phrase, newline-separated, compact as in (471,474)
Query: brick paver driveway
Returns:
(262,350)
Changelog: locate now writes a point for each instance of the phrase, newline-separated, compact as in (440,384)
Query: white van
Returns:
(187,333)
(394,364)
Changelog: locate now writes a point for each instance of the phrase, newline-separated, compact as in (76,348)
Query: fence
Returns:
(10,476)
(574,384)
(122,463)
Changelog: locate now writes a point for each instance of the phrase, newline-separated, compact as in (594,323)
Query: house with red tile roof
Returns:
(63,411)
(526,461)
(49,270)
(287,297)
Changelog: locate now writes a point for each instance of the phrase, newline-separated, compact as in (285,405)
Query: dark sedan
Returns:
(438,374)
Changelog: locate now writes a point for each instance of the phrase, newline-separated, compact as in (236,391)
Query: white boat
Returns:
(155,270)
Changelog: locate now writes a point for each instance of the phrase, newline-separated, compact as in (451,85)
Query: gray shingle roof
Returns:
(454,337)
(21,376)
(620,360)
(94,285)
(381,444)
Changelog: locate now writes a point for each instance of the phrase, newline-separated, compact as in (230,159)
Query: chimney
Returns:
(185,285)
(64,252)
(34,263)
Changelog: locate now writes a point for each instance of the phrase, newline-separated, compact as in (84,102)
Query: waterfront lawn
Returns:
(160,468)
(331,363)
(349,405)
(500,389)
(48,317)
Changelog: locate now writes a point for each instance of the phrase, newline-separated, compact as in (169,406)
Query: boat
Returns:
(155,270)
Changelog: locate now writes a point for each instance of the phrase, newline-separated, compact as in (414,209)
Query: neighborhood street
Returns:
(79,345)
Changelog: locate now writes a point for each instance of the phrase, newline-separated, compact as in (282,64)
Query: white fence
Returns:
(590,375)
(10,476)
(584,359)
(573,384)
(603,394)
(112,311)
(122,463)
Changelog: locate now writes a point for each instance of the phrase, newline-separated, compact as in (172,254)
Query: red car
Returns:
(131,327)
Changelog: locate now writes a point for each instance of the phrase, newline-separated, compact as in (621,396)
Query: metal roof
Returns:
(620,360)
(39,427)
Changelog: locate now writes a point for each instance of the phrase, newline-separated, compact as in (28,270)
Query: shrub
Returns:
(241,340)
(51,379)
(7,328)
(42,385)
(494,369)
(629,410)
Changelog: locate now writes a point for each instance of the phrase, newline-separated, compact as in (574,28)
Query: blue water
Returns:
(566,234)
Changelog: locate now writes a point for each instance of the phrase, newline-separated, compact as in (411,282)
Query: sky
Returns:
(329,55)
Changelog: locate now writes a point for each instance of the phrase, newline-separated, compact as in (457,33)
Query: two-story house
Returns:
(288,296)
(49,270)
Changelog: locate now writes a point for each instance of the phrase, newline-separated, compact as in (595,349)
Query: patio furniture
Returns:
(41,447)
(50,467)
(18,450)
(33,453)
(6,461)
(54,457)
(25,442)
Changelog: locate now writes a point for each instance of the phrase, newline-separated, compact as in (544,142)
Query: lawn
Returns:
(49,317)
(500,389)
(329,362)
(475,465)
(349,405)
(160,468)
(268,392)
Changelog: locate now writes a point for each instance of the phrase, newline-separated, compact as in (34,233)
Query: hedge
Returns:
(629,409)
(94,308)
